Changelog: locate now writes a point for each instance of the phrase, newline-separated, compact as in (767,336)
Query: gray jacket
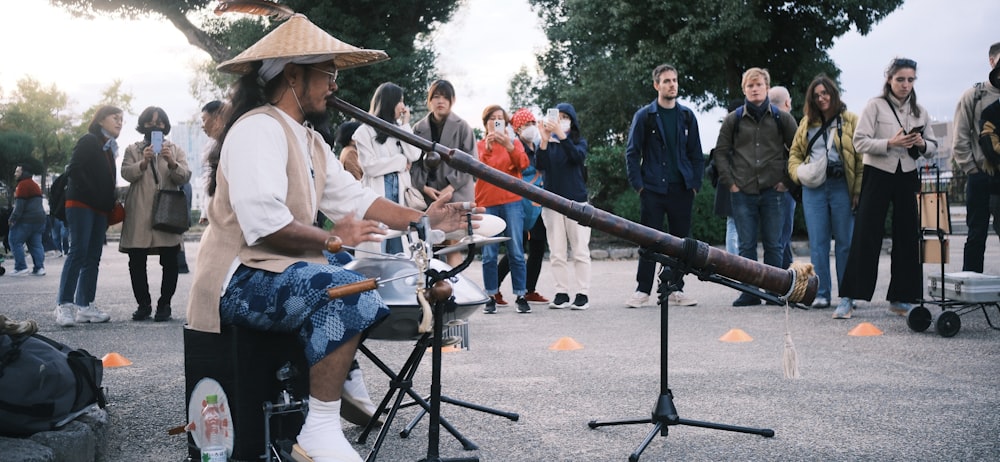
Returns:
(965,148)
(456,134)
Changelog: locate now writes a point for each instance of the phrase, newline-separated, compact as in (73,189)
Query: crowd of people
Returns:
(270,174)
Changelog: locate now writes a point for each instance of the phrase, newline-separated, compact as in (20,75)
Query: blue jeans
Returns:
(31,234)
(87,230)
(828,214)
(513,214)
(977,206)
(786,230)
(766,212)
(732,237)
(391,182)
(60,235)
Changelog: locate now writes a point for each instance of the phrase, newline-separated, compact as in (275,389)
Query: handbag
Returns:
(117,214)
(170,211)
(414,199)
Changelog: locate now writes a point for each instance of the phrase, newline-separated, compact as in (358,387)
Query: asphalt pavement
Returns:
(901,395)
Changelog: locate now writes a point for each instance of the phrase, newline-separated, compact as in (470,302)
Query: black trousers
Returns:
(137,272)
(676,206)
(535,242)
(878,190)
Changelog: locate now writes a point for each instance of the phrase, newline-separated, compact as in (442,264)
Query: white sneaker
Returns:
(637,300)
(679,298)
(90,313)
(356,405)
(65,314)
(21,272)
(39,272)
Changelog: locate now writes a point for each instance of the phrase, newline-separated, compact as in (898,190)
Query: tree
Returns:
(401,28)
(602,51)
(42,113)
(15,149)
(111,96)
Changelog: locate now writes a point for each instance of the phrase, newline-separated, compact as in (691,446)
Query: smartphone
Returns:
(156,141)
(552,114)
(913,130)
(497,126)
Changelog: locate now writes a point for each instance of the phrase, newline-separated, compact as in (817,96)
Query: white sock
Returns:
(322,437)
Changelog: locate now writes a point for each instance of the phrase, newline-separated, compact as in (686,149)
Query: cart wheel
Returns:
(948,324)
(919,319)
(2,271)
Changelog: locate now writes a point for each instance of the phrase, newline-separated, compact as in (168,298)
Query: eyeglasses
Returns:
(903,62)
(820,94)
(332,75)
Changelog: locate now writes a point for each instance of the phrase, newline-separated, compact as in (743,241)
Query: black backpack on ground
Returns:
(45,384)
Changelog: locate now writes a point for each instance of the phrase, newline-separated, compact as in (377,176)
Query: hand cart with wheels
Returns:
(955,293)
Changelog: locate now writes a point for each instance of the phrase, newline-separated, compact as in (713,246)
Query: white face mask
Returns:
(564,124)
(530,133)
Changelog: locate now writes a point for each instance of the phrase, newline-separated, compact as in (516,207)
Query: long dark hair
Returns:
(894,67)
(812,110)
(147,116)
(383,106)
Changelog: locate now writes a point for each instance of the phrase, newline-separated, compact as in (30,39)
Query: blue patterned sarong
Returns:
(295,301)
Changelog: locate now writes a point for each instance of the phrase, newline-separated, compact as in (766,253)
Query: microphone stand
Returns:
(664,412)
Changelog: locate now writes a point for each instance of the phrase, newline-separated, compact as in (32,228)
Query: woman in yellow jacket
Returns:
(827,131)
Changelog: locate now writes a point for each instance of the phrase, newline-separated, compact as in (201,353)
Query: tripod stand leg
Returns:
(476,407)
(634,457)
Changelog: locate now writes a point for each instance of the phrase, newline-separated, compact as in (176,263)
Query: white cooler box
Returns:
(966,286)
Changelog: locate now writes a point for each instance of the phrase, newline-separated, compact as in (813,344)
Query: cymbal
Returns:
(475,240)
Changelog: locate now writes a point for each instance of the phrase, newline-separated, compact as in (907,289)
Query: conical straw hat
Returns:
(299,37)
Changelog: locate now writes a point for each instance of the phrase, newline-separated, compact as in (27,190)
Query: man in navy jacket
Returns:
(664,162)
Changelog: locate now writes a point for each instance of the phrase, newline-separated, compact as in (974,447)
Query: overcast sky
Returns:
(949,40)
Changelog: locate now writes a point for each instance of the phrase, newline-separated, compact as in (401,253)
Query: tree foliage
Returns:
(400,28)
(43,114)
(602,51)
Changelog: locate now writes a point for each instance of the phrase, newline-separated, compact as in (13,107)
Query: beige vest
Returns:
(223,239)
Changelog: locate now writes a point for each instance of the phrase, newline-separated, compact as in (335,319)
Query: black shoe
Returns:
(561,301)
(491,307)
(581,302)
(183,270)
(522,305)
(142,313)
(162,314)
(746,300)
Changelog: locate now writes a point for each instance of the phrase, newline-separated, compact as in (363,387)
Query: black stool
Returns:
(245,363)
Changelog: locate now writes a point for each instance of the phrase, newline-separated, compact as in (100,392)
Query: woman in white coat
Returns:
(385,161)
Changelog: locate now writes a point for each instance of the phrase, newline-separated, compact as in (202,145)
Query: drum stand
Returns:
(664,413)
(403,381)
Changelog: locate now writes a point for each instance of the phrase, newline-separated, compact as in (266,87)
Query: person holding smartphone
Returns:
(149,165)
(505,153)
(888,138)
(562,156)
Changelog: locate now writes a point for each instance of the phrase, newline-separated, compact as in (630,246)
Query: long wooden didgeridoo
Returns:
(794,285)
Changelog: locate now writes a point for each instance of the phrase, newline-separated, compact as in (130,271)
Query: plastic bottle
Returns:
(214,436)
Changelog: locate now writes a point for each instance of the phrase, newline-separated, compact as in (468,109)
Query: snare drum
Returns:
(401,296)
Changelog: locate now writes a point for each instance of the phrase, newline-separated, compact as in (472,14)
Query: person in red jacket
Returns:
(503,152)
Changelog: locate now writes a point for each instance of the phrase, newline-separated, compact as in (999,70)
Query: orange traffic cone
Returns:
(736,336)
(865,329)
(115,360)
(566,344)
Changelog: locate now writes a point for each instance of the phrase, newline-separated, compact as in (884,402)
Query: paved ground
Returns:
(899,396)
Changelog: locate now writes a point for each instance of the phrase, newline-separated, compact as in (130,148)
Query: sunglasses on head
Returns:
(904,62)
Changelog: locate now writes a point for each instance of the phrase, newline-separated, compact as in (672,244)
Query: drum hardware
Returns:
(334,244)
(438,292)
(664,413)
(284,404)
(470,243)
